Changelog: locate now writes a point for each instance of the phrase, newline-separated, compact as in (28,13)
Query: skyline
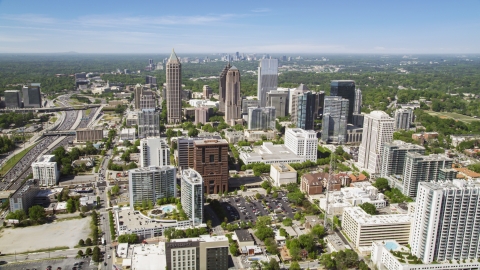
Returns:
(252,27)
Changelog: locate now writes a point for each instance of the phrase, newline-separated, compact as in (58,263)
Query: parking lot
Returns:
(248,208)
(69,263)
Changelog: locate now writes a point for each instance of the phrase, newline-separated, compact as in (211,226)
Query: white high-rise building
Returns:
(378,130)
(267,79)
(357,108)
(446,221)
(154,151)
(302,143)
(192,195)
(45,170)
(151,183)
(403,118)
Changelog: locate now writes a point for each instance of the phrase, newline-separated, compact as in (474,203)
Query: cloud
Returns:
(261,10)
(29,18)
(379,48)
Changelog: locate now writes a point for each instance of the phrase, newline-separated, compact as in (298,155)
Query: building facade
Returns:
(89,135)
(403,118)
(306,108)
(279,100)
(210,160)
(222,87)
(154,151)
(147,100)
(282,174)
(357,108)
(192,195)
(174,89)
(345,89)
(378,130)
(232,95)
(148,123)
(32,97)
(23,197)
(267,79)
(207,92)
(45,170)
(147,185)
(334,123)
(394,154)
(302,143)
(201,115)
(13,99)
(261,118)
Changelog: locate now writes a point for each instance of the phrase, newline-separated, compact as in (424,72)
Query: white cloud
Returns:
(261,10)
(29,18)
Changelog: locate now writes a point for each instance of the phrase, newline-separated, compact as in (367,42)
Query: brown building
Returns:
(91,135)
(210,159)
(312,183)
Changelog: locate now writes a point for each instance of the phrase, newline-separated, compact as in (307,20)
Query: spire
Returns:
(173,57)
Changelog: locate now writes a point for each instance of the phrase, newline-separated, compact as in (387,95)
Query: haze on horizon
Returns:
(308,27)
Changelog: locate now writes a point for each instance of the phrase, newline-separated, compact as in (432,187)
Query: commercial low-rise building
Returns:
(234,136)
(282,174)
(257,135)
(91,135)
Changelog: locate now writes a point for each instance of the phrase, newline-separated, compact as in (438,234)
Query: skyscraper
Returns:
(192,195)
(357,109)
(147,100)
(207,91)
(151,183)
(393,157)
(138,91)
(419,168)
(232,98)
(306,109)
(334,123)
(345,89)
(302,143)
(154,151)
(32,97)
(12,99)
(267,79)
(279,100)
(378,130)
(150,79)
(403,118)
(210,159)
(261,118)
(174,89)
(222,87)
(445,225)
(148,123)
(201,115)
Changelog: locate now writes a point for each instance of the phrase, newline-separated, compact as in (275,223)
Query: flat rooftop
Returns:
(210,142)
(149,257)
(268,151)
(243,235)
(202,238)
(365,219)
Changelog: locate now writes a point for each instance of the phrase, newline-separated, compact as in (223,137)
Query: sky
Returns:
(261,26)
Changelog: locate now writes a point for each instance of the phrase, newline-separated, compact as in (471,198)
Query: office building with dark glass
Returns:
(345,89)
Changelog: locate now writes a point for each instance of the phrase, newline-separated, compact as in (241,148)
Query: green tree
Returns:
(264,232)
(233,249)
(18,214)
(81,242)
(96,254)
(327,261)
(295,266)
(271,246)
(287,222)
(80,253)
(271,265)
(70,205)
(115,189)
(88,251)
(88,242)
(368,208)
(381,184)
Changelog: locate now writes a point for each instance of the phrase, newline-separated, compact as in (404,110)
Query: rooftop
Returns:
(45,159)
(149,257)
(26,187)
(268,151)
(210,142)
(362,218)
(467,172)
(202,238)
(192,176)
(283,167)
(243,235)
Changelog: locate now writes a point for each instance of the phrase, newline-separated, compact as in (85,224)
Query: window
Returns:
(212,158)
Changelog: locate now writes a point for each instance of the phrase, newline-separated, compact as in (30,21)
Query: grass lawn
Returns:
(12,161)
(455,116)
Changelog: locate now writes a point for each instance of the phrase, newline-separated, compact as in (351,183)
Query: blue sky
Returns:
(262,26)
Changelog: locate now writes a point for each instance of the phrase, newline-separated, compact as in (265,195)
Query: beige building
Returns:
(233,100)
(92,135)
(282,174)
(201,115)
(256,135)
(174,89)
(207,92)
(363,229)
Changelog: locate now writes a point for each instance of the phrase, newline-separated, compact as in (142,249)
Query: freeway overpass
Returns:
(60,133)
(51,109)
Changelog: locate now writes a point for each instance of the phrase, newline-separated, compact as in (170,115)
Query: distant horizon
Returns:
(247,53)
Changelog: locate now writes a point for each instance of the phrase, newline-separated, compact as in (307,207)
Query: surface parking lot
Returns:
(248,208)
(64,264)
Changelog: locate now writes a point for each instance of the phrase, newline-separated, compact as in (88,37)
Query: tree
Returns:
(18,214)
(96,254)
(271,265)
(88,242)
(263,221)
(233,249)
(81,243)
(287,222)
(70,205)
(381,184)
(327,261)
(258,196)
(318,231)
(271,246)
(264,232)
(346,259)
(88,251)
(192,132)
(295,266)
(368,208)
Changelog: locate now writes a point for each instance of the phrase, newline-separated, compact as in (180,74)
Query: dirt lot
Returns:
(63,233)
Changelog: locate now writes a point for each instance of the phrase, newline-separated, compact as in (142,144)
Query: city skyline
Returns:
(314,27)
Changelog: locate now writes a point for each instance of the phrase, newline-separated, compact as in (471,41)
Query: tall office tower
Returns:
(81,76)
(138,91)
(403,118)
(232,97)
(154,151)
(302,143)
(306,106)
(32,98)
(261,118)
(247,103)
(150,61)
(147,100)
(279,100)
(148,123)
(445,222)
(151,80)
(222,87)
(345,89)
(45,170)
(151,183)
(207,91)
(293,101)
(394,154)
(210,159)
(13,99)
(174,89)
(201,115)
(192,195)
(185,153)
(334,123)
(420,168)
(357,109)
(378,130)
(267,79)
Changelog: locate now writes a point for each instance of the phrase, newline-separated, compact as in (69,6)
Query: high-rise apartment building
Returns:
(151,183)
(403,118)
(279,100)
(305,110)
(292,107)
(222,87)
(138,91)
(201,115)
(378,130)
(207,92)
(394,155)
(267,79)
(13,99)
(148,123)
(147,100)
(334,123)
(192,195)
(45,170)
(232,96)
(32,97)
(302,143)
(210,159)
(174,89)
(247,103)
(261,118)
(357,108)
(345,89)
(154,151)
(445,225)
(420,168)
